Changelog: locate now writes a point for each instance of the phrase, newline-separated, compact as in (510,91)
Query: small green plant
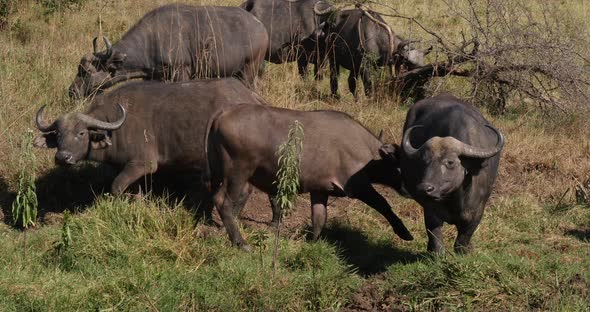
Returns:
(66,233)
(287,177)
(63,247)
(24,207)
(259,241)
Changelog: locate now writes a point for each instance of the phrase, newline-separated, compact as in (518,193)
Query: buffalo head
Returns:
(75,134)
(443,162)
(96,70)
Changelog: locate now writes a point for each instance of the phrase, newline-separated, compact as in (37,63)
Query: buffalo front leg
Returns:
(319,212)
(369,196)
(131,173)
(434,231)
(230,194)
(302,63)
(465,230)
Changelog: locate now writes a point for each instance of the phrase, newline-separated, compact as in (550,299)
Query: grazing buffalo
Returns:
(292,26)
(360,40)
(142,127)
(178,42)
(340,157)
(449,164)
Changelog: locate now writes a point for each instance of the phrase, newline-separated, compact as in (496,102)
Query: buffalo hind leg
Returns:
(369,196)
(239,206)
(366,72)
(319,213)
(434,231)
(230,195)
(131,173)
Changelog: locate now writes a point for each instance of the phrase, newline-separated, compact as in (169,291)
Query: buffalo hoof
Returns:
(459,249)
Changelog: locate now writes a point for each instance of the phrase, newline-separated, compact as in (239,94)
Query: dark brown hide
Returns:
(340,157)
(164,128)
(449,164)
(178,42)
(358,43)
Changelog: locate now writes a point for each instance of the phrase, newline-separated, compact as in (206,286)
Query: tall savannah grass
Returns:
(152,255)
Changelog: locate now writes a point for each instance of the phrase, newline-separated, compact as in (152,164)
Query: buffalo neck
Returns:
(136,60)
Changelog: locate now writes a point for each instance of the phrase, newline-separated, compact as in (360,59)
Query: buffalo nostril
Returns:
(64,157)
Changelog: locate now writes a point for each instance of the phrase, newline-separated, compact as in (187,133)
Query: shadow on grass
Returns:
(367,256)
(72,188)
(581,234)
(75,189)
(6,199)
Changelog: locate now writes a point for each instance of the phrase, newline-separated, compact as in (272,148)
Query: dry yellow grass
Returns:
(39,58)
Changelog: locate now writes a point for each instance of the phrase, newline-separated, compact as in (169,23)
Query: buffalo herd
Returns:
(198,112)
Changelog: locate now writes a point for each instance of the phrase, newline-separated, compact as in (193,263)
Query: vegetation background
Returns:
(532,247)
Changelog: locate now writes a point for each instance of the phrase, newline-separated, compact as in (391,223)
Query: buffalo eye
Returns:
(450,164)
(81,133)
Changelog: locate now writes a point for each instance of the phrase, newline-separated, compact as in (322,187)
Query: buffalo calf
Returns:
(340,157)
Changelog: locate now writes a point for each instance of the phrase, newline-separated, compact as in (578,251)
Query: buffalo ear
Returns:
(99,140)
(390,152)
(474,165)
(115,62)
(46,140)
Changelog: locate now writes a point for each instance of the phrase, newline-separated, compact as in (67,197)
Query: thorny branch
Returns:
(519,49)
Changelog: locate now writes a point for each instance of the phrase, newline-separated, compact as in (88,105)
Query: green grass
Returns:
(148,255)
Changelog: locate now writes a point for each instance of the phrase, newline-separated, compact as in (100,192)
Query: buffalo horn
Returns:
(103,125)
(41,125)
(408,148)
(380,137)
(477,152)
(94,45)
(107,44)
(321,8)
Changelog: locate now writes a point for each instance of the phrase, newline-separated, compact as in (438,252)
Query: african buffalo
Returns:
(142,127)
(449,164)
(178,42)
(340,157)
(360,40)
(292,27)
